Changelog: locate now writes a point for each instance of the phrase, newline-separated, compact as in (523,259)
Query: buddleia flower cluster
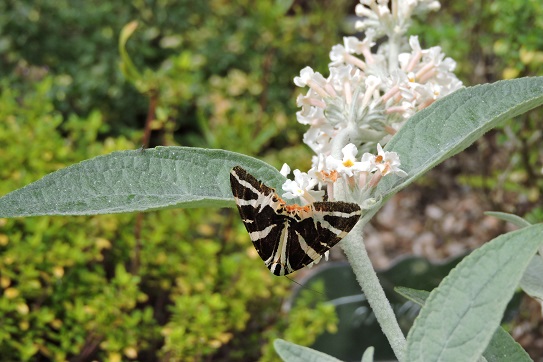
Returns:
(370,92)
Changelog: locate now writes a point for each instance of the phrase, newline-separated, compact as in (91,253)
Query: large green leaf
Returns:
(502,347)
(453,123)
(462,314)
(139,180)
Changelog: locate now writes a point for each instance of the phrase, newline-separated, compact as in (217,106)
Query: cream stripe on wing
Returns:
(245,183)
(257,235)
(307,249)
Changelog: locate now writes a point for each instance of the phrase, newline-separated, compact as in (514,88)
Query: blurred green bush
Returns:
(230,61)
(501,39)
(170,285)
(86,288)
(493,40)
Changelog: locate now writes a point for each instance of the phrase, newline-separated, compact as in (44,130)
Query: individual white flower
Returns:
(340,55)
(319,137)
(354,45)
(305,76)
(320,170)
(427,5)
(313,80)
(337,55)
(406,7)
(308,76)
(372,83)
(310,99)
(285,170)
(405,109)
(408,61)
(369,162)
(388,162)
(313,116)
(348,165)
(302,187)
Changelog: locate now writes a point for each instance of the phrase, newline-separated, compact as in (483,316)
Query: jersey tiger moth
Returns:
(289,237)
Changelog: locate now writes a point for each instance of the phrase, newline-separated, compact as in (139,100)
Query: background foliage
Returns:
(180,283)
(499,40)
(175,285)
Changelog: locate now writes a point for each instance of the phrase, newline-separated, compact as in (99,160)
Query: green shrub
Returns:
(498,38)
(77,45)
(191,285)
(170,284)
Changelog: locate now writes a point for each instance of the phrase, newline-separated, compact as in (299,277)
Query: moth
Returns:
(289,237)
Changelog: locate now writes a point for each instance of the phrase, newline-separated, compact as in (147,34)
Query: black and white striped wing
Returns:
(289,237)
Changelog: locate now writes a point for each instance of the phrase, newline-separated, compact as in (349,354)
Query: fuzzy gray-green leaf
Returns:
(502,347)
(140,180)
(290,352)
(513,219)
(532,280)
(462,314)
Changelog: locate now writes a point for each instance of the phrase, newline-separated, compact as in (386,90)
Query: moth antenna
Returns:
(313,290)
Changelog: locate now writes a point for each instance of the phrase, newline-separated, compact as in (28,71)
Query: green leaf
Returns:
(127,66)
(417,296)
(532,280)
(453,123)
(283,6)
(462,314)
(513,219)
(138,180)
(290,352)
(502,346)
(368,355)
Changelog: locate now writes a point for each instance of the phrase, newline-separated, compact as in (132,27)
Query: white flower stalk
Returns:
(369,94)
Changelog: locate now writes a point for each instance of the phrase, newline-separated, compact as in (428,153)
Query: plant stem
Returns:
(353,246)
